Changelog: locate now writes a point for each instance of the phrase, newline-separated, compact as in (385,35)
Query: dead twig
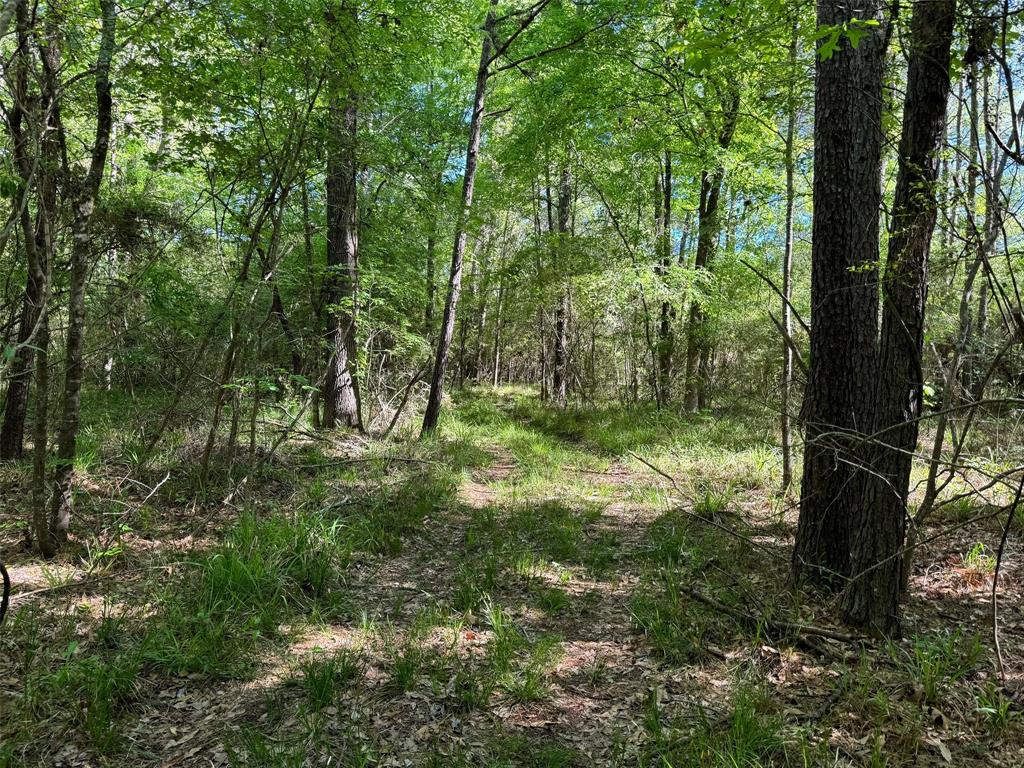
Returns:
(366,460)
(1010,515)
(778,627)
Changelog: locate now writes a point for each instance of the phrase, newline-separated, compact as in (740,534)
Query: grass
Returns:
(978,560)
(677,628)
(750,736)
(937,661)
(323,677)
(243,591)
(996,708)
(462,610)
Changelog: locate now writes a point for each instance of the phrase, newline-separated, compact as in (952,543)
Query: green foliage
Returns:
(92,690)
(243,591)
(751,737)
(996,708)
(324,676)
(976,559)
(673,624)
(937,661)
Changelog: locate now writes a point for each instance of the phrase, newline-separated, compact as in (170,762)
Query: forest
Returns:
(511,383)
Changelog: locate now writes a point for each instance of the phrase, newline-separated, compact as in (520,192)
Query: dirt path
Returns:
(565,557)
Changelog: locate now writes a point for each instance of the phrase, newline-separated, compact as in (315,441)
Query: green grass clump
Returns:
(91,691)
(324,677)
(751,737)
(936,661)
(553,600)
(677,627)
(384,518)
(242,592)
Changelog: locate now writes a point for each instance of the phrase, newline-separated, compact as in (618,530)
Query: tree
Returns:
(451,303)
(663,237)
(879,520)
(787,270)
(839,396)
(560,380)
(22,127)
(698,348)
(83,207)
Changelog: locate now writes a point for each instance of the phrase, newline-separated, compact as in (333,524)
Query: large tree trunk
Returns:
(561,361)
(341,387)
(84,205)
(451,303)
(872,598)
(698,345)
(838,400)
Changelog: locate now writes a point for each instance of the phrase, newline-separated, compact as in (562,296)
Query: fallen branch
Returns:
(1010,515)
(779,627)
(405,399)
(68,585)
(365,460)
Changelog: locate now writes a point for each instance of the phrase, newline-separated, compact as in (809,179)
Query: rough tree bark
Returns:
(341,387)
(12,433)
(844,291)
(787,271)
(872,598)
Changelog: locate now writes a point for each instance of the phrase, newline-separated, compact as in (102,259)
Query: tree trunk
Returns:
(315,302)
(697,341)
(496,367)
(663,234)
(84,205)
(12,433)
(787,272)
(277,310)
(872,598)
(561,361)
(341,386)
(838,400)
(455,274)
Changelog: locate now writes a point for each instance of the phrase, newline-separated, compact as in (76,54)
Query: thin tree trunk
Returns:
(957,370)
(19,379)
(697,341)
(277,310)
(461,361)
(496,367)
(455,274)
(561,370)
(84,206)
(341,387)
(315,302)
(483,291)
(663,233)
(787,272)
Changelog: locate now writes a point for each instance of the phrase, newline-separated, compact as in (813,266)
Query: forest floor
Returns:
(522,590)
